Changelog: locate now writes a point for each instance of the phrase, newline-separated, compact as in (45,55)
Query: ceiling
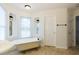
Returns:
(43,6)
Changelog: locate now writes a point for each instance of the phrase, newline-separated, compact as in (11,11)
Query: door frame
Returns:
(75,30)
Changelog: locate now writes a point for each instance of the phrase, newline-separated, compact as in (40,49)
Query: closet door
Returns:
(50,30)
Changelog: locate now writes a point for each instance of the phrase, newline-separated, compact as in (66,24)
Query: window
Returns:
(2,24)
(25,28)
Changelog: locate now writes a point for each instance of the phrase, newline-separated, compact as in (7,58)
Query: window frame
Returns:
(6,23)
(21,29)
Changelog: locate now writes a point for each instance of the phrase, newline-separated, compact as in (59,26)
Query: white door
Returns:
(50,30)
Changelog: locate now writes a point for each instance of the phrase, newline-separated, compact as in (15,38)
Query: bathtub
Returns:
(26,44)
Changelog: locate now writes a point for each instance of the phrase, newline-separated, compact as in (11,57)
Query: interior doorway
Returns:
(77,31)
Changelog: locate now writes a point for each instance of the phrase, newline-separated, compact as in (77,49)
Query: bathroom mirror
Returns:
(10,23)
(37,22)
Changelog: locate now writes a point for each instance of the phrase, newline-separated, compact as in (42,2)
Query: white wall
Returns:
(61,18)
(42,15)
(61,33)
(70,27)
(11,9)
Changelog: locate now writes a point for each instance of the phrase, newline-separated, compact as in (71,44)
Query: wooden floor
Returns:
(46,51)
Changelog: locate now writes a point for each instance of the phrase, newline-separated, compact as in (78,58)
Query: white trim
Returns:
(75,30)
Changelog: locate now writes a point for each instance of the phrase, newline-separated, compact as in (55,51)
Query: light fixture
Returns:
(27,6)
